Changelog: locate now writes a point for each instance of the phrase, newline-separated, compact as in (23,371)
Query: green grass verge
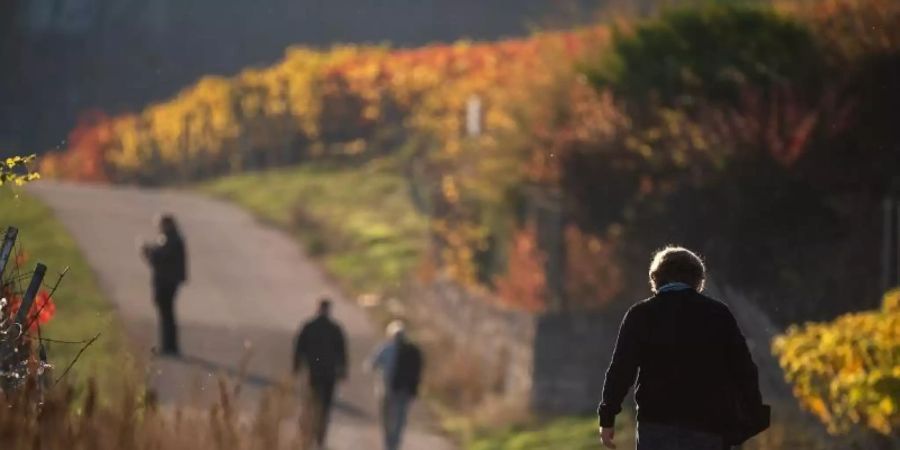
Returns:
(577,433)
(571,433)
(359,221)
(81,310)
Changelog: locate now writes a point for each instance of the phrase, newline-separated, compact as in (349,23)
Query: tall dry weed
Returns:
(58,419)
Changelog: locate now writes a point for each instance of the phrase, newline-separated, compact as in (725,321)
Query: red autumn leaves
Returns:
(41,311)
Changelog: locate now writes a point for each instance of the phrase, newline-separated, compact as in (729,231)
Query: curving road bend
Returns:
(250,288)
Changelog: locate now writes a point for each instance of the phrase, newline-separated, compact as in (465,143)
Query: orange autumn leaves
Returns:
(524,285)
(85,158)
(592,279)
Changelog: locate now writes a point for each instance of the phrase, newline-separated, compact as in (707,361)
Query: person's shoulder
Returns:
(639,307)
(418,353)
(412,346)
(315,322)
(332,325)
(644,304)
(412,349)
(713,303)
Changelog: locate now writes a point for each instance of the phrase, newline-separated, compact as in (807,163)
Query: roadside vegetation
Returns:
(81,310)
(847,372)
(567,433)
(98,404)
(358,220)
(126,421)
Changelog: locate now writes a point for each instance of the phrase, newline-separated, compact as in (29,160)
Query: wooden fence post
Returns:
(28,299)
(8,242)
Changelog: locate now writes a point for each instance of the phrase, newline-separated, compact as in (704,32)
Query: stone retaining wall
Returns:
(555,361)
(500,339)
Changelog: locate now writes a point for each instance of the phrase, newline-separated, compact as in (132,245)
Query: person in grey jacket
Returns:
(399,362)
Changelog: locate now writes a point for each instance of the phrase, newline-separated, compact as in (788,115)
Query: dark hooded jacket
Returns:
(688,360)
(168,259)
(321,349)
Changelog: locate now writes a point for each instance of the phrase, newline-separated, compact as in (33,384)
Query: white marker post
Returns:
(473,116)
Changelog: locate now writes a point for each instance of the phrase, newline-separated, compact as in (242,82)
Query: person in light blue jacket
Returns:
(399,363)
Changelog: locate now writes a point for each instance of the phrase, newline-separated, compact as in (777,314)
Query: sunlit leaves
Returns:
(17,170)
(847,372)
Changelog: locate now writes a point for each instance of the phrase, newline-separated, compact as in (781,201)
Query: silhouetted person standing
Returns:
(697,385)
(399,361)
(168,260)
(321,351)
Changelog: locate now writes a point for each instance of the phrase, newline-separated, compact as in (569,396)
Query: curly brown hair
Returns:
(675,264)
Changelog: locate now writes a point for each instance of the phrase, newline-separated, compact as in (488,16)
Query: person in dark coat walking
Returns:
(400,363)
(320,350)
(693,369)
(167,258)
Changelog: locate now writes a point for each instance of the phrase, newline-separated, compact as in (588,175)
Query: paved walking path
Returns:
(250,287)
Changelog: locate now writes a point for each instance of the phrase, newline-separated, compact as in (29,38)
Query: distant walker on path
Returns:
(697,385)
(321,351)
(400,363)
(167,258)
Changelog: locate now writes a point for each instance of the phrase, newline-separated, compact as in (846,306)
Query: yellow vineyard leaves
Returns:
(847,372)
(17,170)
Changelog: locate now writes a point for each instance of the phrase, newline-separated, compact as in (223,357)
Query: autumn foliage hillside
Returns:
(785,115)
(352,103)
(313,103)
(549,168)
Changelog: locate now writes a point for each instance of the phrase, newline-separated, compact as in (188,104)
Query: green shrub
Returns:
(710,52)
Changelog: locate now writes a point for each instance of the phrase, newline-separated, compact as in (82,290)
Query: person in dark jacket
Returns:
(167,258)
(320,351)
(689,358)
(399,362)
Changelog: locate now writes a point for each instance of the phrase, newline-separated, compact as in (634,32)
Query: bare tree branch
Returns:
(69,367)
(60,341)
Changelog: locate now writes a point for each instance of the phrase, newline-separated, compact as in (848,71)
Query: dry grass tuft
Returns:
(58,419)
